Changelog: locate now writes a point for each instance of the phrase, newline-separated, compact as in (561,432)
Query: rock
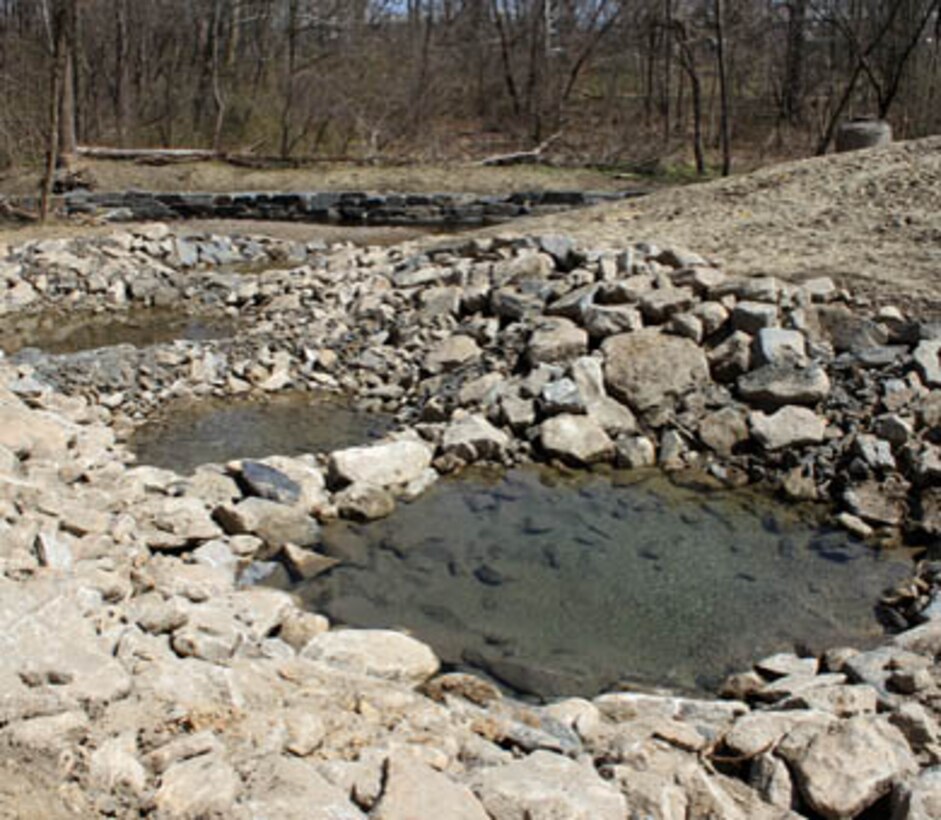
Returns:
(473,438)
(614,418)
(385,465)
(414,790)
(274,523)
(927,358)
(914,721)
(266,482)
(114,767)
(556,340)
(724,429)
(200,787)
(602,321)
(379,653)
(786,663)
(305,563)
(34,433)
(659,305)
(364,502)
(548,785)
(517,413)
(648,370)
(875,452)
(777,346)
(878,502)
(451,353)
(760,732)
(732,358)
(171,523)
(750,317)
(840,700)
(577,440)
(846,769)
(687,326)
(635,452)
(921,799)
(770,777)
(561,396)
(291,789)
(789,426)
(849,332)
(776,385)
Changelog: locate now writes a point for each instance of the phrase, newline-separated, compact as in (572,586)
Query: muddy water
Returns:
(55,333)
(199,432)
(565,587)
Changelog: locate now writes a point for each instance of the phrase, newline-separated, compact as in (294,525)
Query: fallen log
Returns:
(530,157)
(157,155)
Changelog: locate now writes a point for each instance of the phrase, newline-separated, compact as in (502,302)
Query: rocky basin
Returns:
(140,676)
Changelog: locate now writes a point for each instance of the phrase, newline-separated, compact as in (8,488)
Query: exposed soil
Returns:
(870,219)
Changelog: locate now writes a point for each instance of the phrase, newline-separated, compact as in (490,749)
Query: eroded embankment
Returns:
(131,655)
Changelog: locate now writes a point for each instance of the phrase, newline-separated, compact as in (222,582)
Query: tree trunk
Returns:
(724,124)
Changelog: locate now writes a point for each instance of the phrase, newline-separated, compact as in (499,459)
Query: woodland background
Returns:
(632,84)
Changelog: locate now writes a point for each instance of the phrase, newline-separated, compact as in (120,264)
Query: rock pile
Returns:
(134,659)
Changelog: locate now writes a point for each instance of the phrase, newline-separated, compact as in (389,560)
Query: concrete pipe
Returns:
(856,134)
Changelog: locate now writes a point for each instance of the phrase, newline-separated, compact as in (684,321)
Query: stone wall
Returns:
(335,207)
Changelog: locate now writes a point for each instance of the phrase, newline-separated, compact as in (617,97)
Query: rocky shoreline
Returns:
(134,659)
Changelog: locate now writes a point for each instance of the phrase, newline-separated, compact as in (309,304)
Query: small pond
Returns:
(573,586)
(215,430)
(55,333)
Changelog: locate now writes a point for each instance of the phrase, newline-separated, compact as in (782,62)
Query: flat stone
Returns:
(292,789)
(846,769)
(265,481)
(761,731)
(840,700)
(306,563)
(724,429)
(849,332)
(789,426)
(378,653)
(878,502)
(787,663)
(659,305)
(548,785)
(647,369)
(387,464)
(578,440)
(776,385)
(602,321)
(34,433)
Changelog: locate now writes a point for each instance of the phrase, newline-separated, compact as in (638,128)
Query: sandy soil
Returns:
(870,219)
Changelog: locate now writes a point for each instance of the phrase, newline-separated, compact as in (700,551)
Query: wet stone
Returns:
(267,482)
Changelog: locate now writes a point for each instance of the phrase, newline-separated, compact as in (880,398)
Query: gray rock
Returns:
(786,663)
(378,653)
(723,429)
(275,524)
(921,799)
(291,789)
(451,353)
(789,426)
(777,346)
(364,502)
(648,370)
(849,332)
(201,787)
(473,437)
(602,321)
(578,440)
(659,305)
(776,385)
(561,396)
(556,340)
(928,361)
(265,481)
(750,317)
(517,413)
(548,785)
(614,418)
(634,452)
(732,358)
(875,452)
(843,771)
(878,502)
(386,464)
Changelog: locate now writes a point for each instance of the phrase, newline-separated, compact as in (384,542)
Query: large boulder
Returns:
(844,770)
(386,464)
(777,384)
(648,369)
(413,790)
(790,426)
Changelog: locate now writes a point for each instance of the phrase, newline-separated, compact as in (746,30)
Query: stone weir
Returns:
(337,208)
(147,679)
